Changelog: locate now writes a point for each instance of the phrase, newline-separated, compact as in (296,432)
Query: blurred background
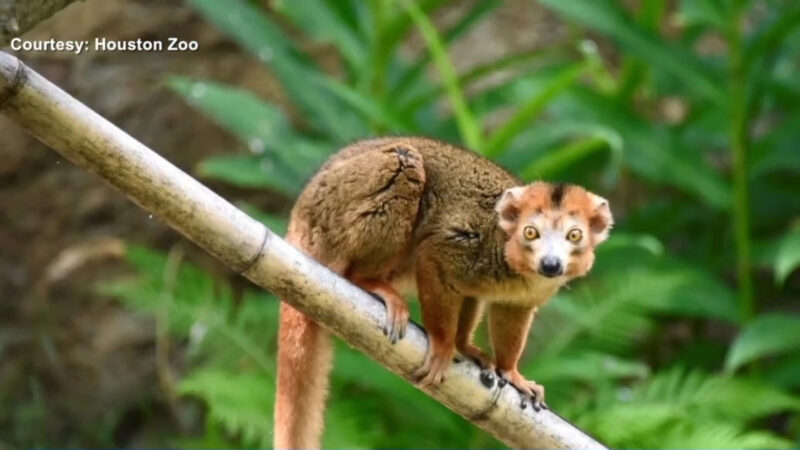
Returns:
(116,332)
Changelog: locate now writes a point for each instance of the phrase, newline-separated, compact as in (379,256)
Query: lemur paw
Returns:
(476,354)
(396,316)
(529,389)
(432,370)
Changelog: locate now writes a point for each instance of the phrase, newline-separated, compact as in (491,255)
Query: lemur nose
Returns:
(550,266)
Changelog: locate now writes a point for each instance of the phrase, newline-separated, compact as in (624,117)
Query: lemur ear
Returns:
(508,208)
(600,221)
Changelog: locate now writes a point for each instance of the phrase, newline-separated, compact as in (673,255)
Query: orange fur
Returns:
(441,306)
(305,357)
(468,318)
(392,212)
(304,360)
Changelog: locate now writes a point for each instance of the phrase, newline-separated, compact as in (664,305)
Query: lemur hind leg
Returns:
(396,307)
(373,196)
(355,216)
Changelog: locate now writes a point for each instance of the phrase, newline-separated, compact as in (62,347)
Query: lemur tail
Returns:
(304,363)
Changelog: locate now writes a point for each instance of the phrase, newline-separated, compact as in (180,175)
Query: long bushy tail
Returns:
(304,362)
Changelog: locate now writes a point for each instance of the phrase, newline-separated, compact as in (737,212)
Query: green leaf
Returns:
(468,126)
(413,76)
(615,308)
(250,172)
(550,149)
(276,223)
(262,127)
(703,12)
(519,90)
(700,294)
(776,150)
(500,139)
(561,158)
(659,155)
(199,307)
(769,39)
(368,107)
(608,18)
(720,396)
(354,370)
(767,335)
(256,123)
(238,110)
(242,402)
(585,366)
(682,405)
(399,25)
(317,19)
(522,61)
(619,240)
(254,30)
(354,13)
(788,256)
(719,435)
(187,297)
(784,372)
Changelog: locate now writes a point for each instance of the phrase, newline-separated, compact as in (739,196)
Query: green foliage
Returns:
(260,35)
(767,335)
(586,364)
(232,346)
(675,409)
(697,150)
(532,107)
(241,403)
(608,17)
(788,257)
(279,158)
(470,130)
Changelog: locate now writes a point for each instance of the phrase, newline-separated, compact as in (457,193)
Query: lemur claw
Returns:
(396,318)
(529,390)
(536,403)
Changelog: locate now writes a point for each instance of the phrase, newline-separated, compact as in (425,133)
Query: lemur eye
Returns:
(530,233)
(574,235)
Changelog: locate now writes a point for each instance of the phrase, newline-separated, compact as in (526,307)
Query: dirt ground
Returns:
(77,369)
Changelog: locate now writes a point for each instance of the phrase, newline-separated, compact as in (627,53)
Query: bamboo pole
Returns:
(247,246)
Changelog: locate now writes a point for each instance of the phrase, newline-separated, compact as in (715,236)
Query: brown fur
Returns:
(384,211)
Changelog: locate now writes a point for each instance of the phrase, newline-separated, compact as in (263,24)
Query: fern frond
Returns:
(717,435)
(612,314)
(241,402)
(613,310)
(728,398)
(203,310)
(690,404)
(361,387)
(584,366)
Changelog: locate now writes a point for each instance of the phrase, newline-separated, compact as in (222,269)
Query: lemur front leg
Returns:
(508,328)
(468,319)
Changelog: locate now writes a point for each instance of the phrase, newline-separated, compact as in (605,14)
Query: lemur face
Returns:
(552,229)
